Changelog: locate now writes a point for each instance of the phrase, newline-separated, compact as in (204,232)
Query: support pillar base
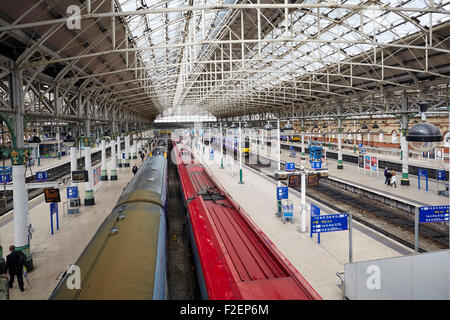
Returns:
(404,182)
(113,175)
(340,165)
(104,175)
(89,199)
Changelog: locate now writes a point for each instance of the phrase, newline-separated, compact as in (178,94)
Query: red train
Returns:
(234,259)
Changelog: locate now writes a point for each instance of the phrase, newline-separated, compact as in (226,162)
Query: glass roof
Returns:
(181,66)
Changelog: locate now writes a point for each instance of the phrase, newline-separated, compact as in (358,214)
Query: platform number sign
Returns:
(316,165)
(5,178)
(42,176)
(290,166)
(282,193)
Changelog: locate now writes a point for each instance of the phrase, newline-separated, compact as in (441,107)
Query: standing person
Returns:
(386,171)
(135,169)
(14,264)
(389,177)
(393,179)
(142,156)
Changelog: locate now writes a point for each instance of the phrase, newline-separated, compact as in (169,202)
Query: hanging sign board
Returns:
(80,176)
(52,195)
(42,176)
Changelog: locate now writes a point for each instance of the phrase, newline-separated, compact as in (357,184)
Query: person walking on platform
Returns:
(14,264)
(135,169)
(142,156)
(393,179)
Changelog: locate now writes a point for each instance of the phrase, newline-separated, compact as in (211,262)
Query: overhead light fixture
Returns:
(316,127)
(233,126)
(364,127)
(375,126)
(246,125)
(268,126)
(424,136)
(288,126)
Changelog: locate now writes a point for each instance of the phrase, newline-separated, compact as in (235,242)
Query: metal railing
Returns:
(341,276)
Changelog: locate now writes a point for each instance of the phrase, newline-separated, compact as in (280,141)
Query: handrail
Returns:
(341,276)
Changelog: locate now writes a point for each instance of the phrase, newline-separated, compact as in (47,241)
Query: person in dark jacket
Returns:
(135,169)
(14,264)
(386,172)
(142,156)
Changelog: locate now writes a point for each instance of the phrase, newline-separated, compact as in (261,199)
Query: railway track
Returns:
(391,222)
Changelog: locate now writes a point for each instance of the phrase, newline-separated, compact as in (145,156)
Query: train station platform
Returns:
(353,177)
(50,163)
(391,155)
(318,263)
(53,254)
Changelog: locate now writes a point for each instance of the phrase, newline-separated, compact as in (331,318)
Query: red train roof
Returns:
(238,260)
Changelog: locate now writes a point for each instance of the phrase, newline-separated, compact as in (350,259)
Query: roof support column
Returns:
(404,144)
(340,164)
(18,154)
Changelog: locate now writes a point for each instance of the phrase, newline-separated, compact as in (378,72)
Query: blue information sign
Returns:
(54,211)
(5,178)
(316,165)
(282,193)
(441,175)
(72,192)
(291,147)
(315,211)
(433,214)
(42,176)
(423,173)
(290,166)
(360,145)
(329,223)
(6,170)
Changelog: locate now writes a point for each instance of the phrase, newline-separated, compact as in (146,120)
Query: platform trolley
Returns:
(287,210)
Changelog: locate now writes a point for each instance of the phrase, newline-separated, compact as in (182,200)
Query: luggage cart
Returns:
(287,210)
